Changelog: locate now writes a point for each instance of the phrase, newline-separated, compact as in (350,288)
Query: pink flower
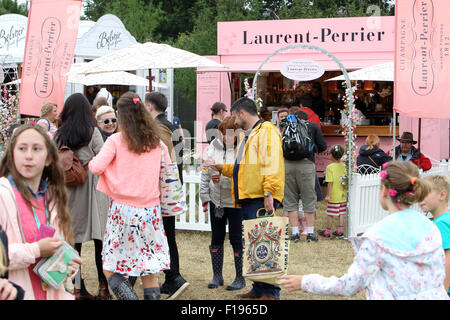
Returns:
(385,165)
(392,192)
(383,175)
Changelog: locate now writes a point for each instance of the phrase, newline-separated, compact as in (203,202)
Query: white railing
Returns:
(194,218)
(365,209)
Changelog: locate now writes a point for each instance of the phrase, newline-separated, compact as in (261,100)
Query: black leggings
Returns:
(98,245)
(218,227)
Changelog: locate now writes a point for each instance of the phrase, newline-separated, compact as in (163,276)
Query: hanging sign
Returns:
(50,44)
(302,70)
(422,59)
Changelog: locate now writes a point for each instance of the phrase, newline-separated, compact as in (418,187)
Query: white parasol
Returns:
(111,78)
(144,56)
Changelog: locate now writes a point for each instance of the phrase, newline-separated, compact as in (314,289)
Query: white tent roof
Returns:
(380,72)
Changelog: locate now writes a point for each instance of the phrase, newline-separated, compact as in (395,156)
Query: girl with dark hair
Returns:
(87,206)
(33,194)
(135,243)
(399,257)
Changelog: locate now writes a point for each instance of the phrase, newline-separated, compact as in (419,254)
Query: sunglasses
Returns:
(106,121)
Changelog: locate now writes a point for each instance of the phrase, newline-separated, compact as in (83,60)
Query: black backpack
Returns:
(296,139)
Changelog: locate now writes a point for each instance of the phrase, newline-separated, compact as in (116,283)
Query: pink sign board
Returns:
(50,44)
(422,59)
(359,34)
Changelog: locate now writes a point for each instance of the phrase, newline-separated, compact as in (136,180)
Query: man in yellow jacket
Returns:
(257,174)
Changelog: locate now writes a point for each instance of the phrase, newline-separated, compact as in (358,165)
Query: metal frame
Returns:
(348,93)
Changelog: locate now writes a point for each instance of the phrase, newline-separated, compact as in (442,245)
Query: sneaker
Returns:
(324,233)
(311,237)
(338,235)
(176,287)
(295,237)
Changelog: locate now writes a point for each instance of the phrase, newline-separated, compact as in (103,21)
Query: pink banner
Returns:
(422,58)
(50,44)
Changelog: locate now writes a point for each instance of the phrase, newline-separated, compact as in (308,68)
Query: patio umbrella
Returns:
(143,56)
(379,72)
(111,78)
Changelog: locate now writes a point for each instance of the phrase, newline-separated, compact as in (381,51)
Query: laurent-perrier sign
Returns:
(302,70)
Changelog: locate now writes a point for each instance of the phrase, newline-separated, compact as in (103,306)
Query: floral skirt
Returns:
(135,242)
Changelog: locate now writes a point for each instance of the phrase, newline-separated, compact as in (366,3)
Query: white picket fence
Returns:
(363,211)
(194,218)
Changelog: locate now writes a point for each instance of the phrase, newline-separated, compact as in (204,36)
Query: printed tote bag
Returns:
(266,248)
(173,199)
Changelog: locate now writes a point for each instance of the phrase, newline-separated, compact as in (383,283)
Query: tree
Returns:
(11,6)
(141,18)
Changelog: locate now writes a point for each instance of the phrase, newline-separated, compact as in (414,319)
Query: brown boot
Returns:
(82,293)
(103,292)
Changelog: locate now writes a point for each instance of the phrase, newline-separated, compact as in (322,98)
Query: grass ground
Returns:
(326,257)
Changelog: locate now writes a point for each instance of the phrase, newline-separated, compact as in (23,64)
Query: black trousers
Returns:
(232,216)
(169,228)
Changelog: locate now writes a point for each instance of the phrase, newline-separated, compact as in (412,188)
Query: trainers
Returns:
(311,237)
(338,235)
(175,287)
(324,233)
(295,237)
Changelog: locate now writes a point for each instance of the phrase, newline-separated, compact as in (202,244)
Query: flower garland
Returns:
(9,114)
(349,123)
(257,99)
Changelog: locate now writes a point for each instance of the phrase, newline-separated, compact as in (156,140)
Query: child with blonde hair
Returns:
(437,203)
(336,197)
(398,258)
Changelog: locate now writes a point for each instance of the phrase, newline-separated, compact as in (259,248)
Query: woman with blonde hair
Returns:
(49,113)
(371,155)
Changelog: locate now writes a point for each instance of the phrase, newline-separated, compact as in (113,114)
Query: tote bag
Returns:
(266,248)
(173,199)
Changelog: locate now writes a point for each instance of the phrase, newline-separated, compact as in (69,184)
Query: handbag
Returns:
(74,172)
(266,248)
(172,198)
(54,270)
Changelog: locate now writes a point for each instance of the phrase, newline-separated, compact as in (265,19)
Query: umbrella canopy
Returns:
(143,56)
(111,78)
(380,72)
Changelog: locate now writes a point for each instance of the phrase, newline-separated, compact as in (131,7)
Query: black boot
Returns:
(121,287)
(217,264)
(239,281)
(152,293)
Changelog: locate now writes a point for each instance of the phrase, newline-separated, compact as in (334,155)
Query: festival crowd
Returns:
(252,165)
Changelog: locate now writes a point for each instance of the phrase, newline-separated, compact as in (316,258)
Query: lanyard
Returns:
(38,223)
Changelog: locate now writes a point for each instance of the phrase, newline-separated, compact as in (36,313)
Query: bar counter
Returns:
(360,131)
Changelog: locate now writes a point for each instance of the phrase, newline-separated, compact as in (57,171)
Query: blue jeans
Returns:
(249,209)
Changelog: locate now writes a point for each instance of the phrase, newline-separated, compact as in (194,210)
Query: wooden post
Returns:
(150,79)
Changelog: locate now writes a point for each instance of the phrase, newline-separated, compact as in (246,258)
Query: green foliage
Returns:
(11,6)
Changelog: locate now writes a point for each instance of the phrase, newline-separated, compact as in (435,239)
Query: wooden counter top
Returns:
(360,131)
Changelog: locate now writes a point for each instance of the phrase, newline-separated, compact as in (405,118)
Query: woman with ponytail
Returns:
(398,258)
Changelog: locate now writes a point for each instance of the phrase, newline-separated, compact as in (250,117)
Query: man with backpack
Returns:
(301,140)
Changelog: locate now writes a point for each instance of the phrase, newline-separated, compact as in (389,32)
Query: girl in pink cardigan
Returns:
(135,243)
(32,194)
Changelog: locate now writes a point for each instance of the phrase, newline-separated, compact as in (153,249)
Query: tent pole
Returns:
(420,132)
(150,80)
